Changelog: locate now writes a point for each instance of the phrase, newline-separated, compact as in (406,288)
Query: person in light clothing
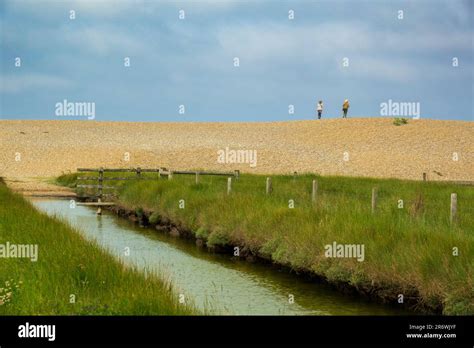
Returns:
(345,108)
(320,109)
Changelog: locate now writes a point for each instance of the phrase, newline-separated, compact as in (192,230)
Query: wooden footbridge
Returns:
(136,173)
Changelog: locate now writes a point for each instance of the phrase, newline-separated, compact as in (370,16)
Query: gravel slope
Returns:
(375,147)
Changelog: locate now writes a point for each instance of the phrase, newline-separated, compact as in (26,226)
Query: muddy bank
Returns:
(381,293)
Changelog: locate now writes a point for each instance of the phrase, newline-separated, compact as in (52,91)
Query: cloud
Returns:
(450,11)
(98,40)
(18,83)
(378,54)
(113,8)
(270,40)
(426,39)
(274,42)
(104,40)
(385,69)
(104,7)
(100,8)
(194,6)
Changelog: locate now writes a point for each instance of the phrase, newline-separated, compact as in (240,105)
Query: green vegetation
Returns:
(68,180)
(398,121)
(69,264)
(408,249)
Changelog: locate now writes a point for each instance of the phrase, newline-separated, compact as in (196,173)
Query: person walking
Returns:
(345,108)
(320,109)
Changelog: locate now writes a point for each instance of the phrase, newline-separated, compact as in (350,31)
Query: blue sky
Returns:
(190,62)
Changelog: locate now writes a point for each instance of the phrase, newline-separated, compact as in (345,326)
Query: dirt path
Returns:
(38,187)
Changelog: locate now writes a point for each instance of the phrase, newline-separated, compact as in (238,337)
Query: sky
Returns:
(190,62)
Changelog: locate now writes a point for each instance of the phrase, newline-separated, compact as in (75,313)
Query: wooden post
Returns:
(139,172)
(269,187)
(170,175)
(197,178)
(101,181)
(424,176)
(374,199)
(99,209)
(229,185)
(314,191)
(454,207)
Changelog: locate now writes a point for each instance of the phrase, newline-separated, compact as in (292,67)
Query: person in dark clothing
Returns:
(345,108)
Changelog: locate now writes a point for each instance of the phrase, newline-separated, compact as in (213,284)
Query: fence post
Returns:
(229,185)
(454,207)
(99,208)
(101,181)
(269,187)
(374,199)
(197,178)
(139,172)
(314,191)
(424,176)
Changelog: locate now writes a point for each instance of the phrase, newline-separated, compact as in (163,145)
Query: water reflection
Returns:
(217,283)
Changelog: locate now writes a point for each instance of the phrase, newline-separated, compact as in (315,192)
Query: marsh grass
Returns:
(68,180)
(68,264)
(408,250)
